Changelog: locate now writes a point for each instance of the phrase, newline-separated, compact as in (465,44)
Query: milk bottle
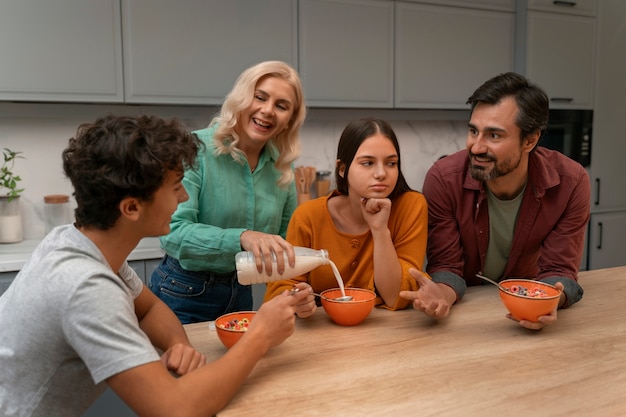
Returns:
(306,260)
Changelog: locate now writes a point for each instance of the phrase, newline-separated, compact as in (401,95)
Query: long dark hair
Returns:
(351,139)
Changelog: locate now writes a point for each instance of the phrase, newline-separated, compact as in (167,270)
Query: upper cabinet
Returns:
(349,53)
(191,52)
(578,7)
(560,50)
(502,5)
(63,50)
(444,53)
(346,52)
(609,117)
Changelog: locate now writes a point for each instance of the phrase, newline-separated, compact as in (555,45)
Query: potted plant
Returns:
(10,215)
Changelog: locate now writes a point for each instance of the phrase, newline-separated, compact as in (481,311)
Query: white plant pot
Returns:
(10,220)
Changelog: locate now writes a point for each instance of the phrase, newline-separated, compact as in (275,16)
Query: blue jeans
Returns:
(198,295)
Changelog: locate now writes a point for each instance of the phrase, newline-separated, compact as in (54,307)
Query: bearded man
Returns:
(505,207)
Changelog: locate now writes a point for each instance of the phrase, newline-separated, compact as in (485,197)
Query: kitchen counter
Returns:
(14,255)
(474,363)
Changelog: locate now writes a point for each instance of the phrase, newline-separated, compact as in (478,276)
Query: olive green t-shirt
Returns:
(502,218)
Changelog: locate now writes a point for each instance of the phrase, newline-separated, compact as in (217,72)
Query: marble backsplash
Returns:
(41,132)
(421,144)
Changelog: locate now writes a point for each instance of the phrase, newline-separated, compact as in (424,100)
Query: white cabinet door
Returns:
(444,53)
(346,52)
(62,50)
(608,148)
(560,57)
(191,52)
(607,240)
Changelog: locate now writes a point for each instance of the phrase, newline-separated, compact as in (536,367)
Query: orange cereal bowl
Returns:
(230,327)
(348,313)
(538,299)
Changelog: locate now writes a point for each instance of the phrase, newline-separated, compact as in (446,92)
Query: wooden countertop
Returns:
(475,363)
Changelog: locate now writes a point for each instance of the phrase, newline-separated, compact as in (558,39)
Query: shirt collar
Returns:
(541,174)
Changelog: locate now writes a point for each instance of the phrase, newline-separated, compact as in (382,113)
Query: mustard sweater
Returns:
(311,226)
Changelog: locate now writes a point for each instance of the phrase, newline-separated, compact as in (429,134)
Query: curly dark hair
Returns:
(353,135)
(121,156)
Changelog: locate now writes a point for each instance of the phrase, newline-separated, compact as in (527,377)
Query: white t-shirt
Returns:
(67,323)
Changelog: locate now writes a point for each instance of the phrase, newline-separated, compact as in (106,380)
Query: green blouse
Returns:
(226,199)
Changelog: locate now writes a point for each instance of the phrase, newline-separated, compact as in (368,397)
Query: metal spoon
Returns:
(497,284)
(341,298)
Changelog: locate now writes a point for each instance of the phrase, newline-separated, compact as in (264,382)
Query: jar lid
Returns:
(56,199)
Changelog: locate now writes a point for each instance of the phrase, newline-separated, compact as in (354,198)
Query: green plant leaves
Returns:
(8,179)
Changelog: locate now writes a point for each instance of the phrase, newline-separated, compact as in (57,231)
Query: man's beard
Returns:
(482,173)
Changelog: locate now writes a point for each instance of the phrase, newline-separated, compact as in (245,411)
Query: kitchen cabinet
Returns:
(346,52)
(258,292)
(5,280)
(502,5)
(144,268)
(608,146)
(63,50)
(191,52)
(577,7)
(607,229)
(366,54)
(444,53)
(150,266)
(607,240)
(140,269)
(560,53)
(108,405)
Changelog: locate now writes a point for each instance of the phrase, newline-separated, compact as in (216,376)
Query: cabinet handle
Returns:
(597,192)
(564,3)
(599,236)
(562,99)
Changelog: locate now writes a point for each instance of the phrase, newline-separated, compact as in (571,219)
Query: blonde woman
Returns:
(241,196)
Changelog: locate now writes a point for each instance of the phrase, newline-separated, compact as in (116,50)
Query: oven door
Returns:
(569,132)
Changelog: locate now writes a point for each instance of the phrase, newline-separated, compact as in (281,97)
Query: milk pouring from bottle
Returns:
(306,260)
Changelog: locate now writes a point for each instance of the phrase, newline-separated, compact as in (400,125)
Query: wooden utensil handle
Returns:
(302,197)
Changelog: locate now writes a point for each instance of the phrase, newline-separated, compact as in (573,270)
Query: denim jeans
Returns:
(198,295)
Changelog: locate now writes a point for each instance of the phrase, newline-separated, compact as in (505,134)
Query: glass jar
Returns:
(10,220)
(322,183)
(56,210)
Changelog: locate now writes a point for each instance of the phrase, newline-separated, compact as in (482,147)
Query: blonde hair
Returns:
(240,98)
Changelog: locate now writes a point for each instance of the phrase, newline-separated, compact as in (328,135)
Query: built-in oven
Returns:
(570,132)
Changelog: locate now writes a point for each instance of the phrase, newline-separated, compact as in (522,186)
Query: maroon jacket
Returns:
(549,233)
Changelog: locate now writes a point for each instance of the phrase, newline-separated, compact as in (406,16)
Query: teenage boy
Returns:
(77,318)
